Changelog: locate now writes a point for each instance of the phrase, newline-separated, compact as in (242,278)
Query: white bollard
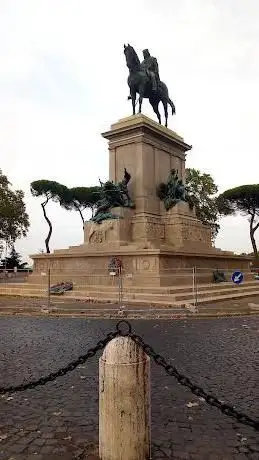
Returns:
(124,402)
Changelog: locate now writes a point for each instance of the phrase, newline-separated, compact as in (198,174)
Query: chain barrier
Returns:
(226,409)
(64,370)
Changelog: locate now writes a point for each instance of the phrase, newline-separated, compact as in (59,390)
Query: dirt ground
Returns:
(28,301)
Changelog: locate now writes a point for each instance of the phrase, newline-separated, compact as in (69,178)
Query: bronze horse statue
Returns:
(140,82)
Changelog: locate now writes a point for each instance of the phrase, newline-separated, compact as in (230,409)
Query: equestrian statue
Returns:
(144,79)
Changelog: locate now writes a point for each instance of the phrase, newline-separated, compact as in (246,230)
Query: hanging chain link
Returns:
(226,409)
(64,370)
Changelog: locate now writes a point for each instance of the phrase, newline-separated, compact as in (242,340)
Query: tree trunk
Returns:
(252,232)
(81,214)
(49,224)
(82,217)
(254,243)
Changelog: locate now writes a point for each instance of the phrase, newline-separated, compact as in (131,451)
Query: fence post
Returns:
(124,402)
(194,286)
(49,287)
(120,286)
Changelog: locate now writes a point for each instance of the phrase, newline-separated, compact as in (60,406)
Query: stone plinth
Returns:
(184,231)
(142,266)
(148,228)
(116,232)
(148,151)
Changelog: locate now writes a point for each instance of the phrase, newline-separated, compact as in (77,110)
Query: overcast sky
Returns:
(63,81)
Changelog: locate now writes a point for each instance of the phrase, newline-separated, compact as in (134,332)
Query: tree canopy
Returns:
(76,198)
(244,200)
(49,190)
(81,198)
(202,191)
(14,220)
(13,260)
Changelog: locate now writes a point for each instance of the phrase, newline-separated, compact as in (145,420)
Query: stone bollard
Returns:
(124,402)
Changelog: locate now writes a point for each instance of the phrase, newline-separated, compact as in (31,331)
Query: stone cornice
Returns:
(130,128)
(124,251)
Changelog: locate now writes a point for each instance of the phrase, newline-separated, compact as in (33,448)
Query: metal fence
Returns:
(226,283)
(170,286)
(118,286)
(52,284)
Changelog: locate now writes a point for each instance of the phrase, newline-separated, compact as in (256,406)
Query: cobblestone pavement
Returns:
(60,420)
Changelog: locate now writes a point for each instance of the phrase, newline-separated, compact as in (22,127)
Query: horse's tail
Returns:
(173,106)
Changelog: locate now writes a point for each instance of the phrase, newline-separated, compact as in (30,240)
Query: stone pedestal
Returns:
(148,151)
(150,241)
(184,231)
(148,229)
(115,232)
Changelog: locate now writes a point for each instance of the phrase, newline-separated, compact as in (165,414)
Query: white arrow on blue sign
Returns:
(237,277)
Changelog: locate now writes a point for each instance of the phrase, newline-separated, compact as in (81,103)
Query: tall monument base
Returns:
(150,241)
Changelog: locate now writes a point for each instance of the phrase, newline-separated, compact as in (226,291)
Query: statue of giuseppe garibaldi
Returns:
(144,79)
(150,66)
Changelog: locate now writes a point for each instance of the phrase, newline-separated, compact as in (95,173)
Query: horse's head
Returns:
(132,59)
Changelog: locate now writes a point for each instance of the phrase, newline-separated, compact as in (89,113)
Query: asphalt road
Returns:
(60,420)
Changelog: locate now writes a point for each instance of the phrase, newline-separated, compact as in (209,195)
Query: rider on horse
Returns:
(150,66)
(144,80)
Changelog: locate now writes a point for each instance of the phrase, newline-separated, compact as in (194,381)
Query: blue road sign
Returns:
(237,277)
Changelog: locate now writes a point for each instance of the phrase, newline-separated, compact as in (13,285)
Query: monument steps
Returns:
(161,297)
(201,294)
(22,291)
(229,296)
(163,289)
(135,288)
(168,302)
(173,296)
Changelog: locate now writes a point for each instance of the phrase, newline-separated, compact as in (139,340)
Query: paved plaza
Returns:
(60,420)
